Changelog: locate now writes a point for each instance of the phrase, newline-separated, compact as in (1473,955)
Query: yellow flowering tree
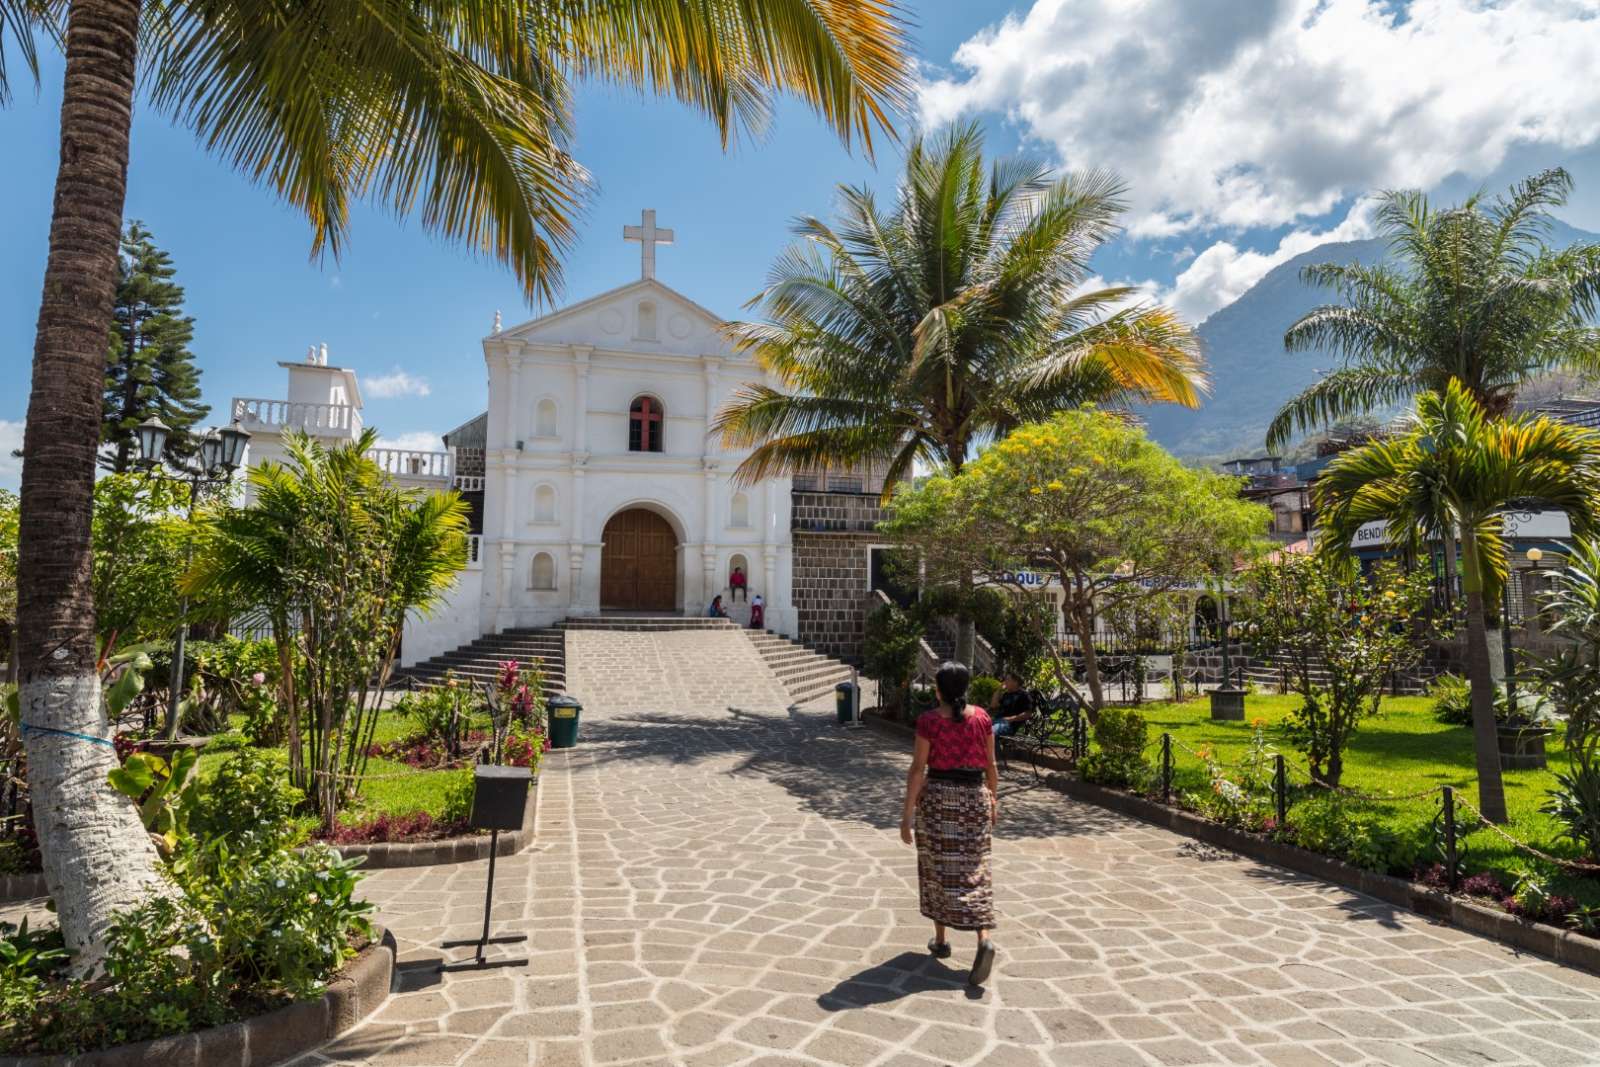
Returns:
(1087,502)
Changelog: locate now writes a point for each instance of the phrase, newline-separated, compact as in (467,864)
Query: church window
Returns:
(644,425)
(739,513)
(544,504)
(544,571)
(544,418)
(647,320)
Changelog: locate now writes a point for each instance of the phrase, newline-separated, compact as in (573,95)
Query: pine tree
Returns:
(149,368)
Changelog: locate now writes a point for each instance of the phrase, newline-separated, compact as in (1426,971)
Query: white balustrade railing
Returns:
(412,463)
(342,419)
(474,552)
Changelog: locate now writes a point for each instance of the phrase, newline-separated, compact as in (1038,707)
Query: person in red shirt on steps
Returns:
(736,585)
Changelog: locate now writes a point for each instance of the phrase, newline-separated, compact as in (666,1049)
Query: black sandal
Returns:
(982,964)
(940,949)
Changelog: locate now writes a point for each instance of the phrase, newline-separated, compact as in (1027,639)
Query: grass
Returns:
(1401,751)
(411,792)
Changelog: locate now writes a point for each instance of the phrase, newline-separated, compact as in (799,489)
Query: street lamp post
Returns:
(1227,699)
(221,453)
(1534,555)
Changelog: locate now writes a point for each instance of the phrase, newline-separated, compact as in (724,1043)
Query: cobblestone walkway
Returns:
(727,887)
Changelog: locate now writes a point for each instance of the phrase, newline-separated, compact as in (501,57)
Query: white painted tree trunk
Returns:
(98,859)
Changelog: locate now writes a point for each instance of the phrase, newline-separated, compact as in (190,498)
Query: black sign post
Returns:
(499,802)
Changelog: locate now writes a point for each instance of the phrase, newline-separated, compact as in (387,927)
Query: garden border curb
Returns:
(1561,946)
(385,855)
(360,989)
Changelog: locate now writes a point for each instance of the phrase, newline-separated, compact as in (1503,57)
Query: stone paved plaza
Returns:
(726,886)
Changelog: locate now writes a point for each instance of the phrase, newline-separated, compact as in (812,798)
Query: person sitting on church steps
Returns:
(737,585)
(716,610)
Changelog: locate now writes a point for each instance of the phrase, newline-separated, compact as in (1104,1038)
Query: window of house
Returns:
(739,513)
(544,571)
(544,504)
(544,418)
(645,419)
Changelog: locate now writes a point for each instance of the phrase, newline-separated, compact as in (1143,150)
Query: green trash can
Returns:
(844,701)
(563,715)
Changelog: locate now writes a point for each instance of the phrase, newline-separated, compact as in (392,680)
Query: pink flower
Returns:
(259,678)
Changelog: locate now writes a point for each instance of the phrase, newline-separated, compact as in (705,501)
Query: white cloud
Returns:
(416,441)
(396,383)
(1234,115)
(1221,274)
(10,466)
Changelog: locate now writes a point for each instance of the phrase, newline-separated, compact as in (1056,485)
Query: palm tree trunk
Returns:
(98,860)
(1485,742)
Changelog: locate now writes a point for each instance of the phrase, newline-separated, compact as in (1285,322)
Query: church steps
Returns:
(806,674)
(480,661)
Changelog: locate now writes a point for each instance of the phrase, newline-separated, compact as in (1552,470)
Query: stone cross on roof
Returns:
(648,237)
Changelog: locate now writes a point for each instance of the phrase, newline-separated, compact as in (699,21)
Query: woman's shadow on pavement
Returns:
(905,975)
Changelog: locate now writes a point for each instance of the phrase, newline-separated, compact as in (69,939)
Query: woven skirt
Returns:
(953,838)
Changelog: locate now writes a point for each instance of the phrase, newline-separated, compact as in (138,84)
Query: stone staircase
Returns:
(806,674)
(1267,675)
(480,661)
(803,673)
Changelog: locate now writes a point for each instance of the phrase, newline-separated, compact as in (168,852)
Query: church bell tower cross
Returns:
(648,237)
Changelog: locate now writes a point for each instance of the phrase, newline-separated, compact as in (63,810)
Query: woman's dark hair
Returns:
(951,682)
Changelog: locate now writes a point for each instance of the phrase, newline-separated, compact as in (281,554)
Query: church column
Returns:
(711,365)
(580,398)
(508,547)
(708,531)
(514,434)
(576,533)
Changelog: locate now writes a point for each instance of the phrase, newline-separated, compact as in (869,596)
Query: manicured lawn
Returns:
(416,791)
(1404,750)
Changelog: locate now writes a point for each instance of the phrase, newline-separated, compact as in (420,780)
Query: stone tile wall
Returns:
(831,532)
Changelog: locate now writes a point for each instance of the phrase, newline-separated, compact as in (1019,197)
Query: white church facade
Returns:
(597,484)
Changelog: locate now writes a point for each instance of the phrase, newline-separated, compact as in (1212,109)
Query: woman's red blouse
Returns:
(952,744)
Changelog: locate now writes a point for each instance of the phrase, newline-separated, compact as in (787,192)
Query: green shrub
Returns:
(1326,825)
(458,798)
(889,652)
(983,690)
(247,933)
(250,802)
(1452,700)
(1120,737)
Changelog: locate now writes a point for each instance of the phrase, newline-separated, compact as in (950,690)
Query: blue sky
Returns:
(1247,129)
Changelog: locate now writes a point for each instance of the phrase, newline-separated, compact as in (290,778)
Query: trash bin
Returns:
(844,701)
(563,715)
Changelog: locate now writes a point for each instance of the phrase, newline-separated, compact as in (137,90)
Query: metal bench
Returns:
(1056,728)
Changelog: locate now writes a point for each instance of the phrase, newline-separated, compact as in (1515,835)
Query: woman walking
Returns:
(952,802)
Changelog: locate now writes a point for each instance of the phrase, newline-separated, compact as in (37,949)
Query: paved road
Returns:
(727,887)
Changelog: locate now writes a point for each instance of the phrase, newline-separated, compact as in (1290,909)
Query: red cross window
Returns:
(644,425)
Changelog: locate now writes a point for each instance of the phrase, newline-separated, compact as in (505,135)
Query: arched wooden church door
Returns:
(638,563)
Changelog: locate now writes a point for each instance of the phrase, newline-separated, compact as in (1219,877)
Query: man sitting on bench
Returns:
(1015,706)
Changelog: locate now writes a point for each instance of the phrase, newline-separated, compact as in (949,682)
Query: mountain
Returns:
(1251,375)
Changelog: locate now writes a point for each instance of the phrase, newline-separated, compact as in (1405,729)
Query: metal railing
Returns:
(252,412)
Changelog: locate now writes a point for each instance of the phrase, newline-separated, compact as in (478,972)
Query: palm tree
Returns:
(1458,469)
(1470,293)
(963,313)
(458,110)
